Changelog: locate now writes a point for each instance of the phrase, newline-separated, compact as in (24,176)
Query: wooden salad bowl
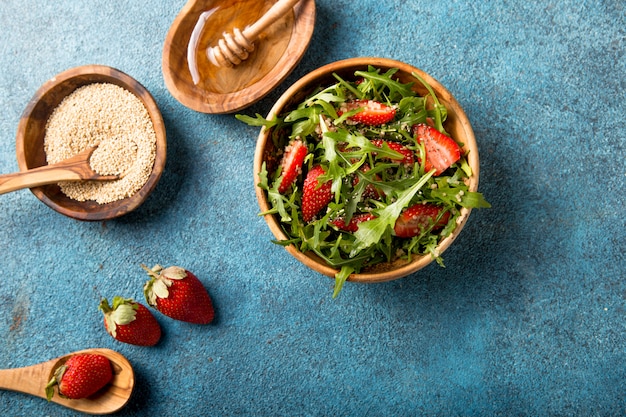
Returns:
(457,124)
(204,87)
(31,132)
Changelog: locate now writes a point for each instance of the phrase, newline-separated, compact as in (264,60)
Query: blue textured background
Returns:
(528,318)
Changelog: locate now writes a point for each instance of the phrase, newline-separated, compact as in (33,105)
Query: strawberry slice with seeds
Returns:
(291,164)
(373,113)
(408,154)
(441,150)
(353,224)
(417,218)
(315,197)
(370,190)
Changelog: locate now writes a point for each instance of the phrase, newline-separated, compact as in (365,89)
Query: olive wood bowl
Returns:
(220,90)
(457,124)
(32,128)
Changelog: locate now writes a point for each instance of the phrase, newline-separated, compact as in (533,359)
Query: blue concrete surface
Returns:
(527,319)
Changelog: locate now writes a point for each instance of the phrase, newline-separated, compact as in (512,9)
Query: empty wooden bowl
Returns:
(32,130)
(457,124)
(204,87)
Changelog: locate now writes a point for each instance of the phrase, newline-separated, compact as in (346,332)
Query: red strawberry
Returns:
(130,322)
(373,113)
(178,294)
(370,190)
(417,218)
(293,158)
(353,224)
(315,197)
(441,150)
(409,155)
(80,376)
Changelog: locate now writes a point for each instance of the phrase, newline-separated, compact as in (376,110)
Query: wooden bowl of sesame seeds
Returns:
(267,154)
(90,105)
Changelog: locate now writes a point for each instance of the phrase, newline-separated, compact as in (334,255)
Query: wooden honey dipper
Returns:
(234,48)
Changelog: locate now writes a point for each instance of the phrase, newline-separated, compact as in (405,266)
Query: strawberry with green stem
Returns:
(80,376)
(130,322)
(178,294)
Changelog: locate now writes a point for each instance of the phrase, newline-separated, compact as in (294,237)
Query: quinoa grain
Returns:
(114,118)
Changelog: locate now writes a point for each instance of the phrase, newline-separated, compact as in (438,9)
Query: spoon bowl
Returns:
(33,379)
(32,129)
(204,87)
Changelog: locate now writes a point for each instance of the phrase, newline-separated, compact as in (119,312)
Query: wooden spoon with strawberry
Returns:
(110,398)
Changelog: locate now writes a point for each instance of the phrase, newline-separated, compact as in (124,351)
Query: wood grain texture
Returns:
(32,380)
(457,124)
(232,49)
(217,90)
(31,133)
(76,168)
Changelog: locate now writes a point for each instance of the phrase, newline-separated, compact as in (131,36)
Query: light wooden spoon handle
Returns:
(28,380)
(233,48)
(76,168)
(272,15)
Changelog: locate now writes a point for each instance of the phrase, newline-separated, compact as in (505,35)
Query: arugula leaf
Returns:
(396,90)
(370,232)
(439,111)
(341,277)
(257,121)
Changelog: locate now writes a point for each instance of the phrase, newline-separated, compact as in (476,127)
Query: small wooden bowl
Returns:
(201,23)
(457,124)
(32,128)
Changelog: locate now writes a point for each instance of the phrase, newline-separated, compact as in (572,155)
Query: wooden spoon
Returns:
(76,168)
(232,49)
(33,379)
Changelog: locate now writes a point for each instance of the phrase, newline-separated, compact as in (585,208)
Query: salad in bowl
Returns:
(366,170)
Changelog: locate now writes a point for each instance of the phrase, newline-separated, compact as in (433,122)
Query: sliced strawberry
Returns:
(373,113)
(441,150)
(409,155)
(353,224)
(291,164)
(417,218)
(370,190)
(314,196)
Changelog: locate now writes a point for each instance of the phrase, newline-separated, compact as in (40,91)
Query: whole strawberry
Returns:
(80,376)
(130,322)
(178,294)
